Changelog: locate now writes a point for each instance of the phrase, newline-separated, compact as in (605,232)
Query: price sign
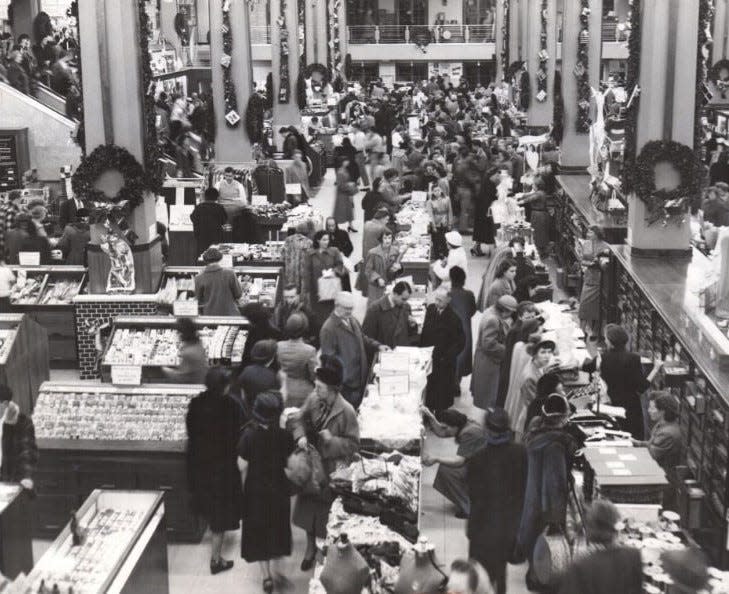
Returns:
(394,361)
(259,200)
(227,261)
(419,197)
(185,309)
(394,385)
(293,189)
(126,375)
(29,258)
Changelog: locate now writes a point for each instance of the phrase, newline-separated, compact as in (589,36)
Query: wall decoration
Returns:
(505,27)
(152,152)
(631,85)
(232,118)
(558,110)
(336,59)
(284,88)
(666,206)
(582,70)
(543,56)
(703,96)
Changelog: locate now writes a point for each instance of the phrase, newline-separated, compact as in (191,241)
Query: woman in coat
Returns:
(382,266)
(539,218)
(589,250)
(263,451)
(321,260)
(213,427)
(503,283)
(298,360)
(328,423)
(483,225)
(75,238)
(344,200)
(295,248)
(541,356)
(341,241)
(440,214)
(193,367)
(490,348)
(530,334)
(463,303)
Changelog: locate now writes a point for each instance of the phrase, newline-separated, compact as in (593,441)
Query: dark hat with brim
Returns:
(212,255)
(331,370)
(497,421)
(263,351)
(268,407)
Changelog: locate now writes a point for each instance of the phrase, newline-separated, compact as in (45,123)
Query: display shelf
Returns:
(260,284)
(252,254)
(52,306)
(122,548)
(153,343)
(93,435)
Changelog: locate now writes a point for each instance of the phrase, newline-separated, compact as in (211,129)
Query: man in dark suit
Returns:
(208,219)
(69,211)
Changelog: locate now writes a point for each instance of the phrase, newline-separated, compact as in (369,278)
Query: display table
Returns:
(252,254)
(47,297)
(93,435)
(153,343)
(16,550)
(657,302)
(123,548)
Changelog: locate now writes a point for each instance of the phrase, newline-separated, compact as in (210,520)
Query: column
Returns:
(498,24)
(514,30)
(667,82)
(719,31)
(24,11)
(541,112)
(524,17)
(231,144)
(284,114)
(311,32)
(343,45)
(322,32)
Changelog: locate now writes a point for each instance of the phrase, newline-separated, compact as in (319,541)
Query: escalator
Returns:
(52,100)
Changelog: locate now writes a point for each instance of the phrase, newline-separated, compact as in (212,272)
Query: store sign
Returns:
(227,261)
(394,385)
(259,200)
(29,258)
(394,361)
(293,189)
(185,309)
(126,375)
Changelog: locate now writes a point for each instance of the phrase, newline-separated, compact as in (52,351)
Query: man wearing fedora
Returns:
(217,289)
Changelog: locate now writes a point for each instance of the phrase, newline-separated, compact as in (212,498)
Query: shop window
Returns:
(411,71)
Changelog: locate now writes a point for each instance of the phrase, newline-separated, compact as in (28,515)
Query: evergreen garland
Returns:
(254,118)
(702,90)
(558,109)
(232,118)
(632,80)
(284,89)
(543,56)
(582,70)
(80,136)
(505,38)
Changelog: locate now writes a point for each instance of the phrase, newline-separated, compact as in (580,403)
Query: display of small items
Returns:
(27,288)
(417,247)
(7,336)
(270,251)
(60,292)
(116,416)
(255,289)
(156,347)
(40,289)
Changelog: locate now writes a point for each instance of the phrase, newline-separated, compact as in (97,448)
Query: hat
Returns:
(617,335)
(331,370)
(35,203)
(497,421)
(263,351)
(687,568)
(296,325)
(215,379)
(556,406)
(6,393)
(454,238)
(212,255)
(542,344)
(381,213)
(507,303)
(268,406)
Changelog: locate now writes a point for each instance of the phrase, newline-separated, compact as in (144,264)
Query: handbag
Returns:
(305,471)
(328,287)
(552,556)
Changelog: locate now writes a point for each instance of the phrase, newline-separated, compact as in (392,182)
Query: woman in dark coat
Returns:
(622,371)
(483,224)
(347,151)
(341,241)
(344,199)
(320,258)
(263,451)
(212,435)
(463,303)
(539,218)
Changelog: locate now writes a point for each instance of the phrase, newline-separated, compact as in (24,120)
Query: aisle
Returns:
(188,564)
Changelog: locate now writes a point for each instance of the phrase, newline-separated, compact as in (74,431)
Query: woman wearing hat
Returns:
(24,237)
(263,451)
(622,372)
(322,261)
(217,289)
(489,351)
(193,365)
(329,423)
(503,283)
(213,426)
(258,376)
(382,266)
(440,213)
(298,360)
(590,251)
(456,257)
(541,357)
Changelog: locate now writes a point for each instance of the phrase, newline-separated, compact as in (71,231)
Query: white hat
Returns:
(454,238)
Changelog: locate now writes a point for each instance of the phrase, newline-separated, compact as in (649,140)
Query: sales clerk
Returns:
(232,194)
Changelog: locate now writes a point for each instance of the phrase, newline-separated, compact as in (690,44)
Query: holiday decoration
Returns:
(284,89)
(666,206)
(231,102)
(543,56)
(505,37)
(336,59)
(582,72)
(702,91)
(558,109)
(632,80)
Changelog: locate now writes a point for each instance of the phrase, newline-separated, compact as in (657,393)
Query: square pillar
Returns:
(285,114)
(541,112)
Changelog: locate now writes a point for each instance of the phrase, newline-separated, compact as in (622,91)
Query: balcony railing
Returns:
(366,34)
(260,35)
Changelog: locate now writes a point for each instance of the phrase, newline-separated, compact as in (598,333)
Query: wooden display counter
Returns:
(95,436)
(123,548)
(657,302)
(23,357)
(16,549)
(51,305)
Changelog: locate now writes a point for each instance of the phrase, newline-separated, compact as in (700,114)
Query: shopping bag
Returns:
(305,471)
(328,287)
(551,557)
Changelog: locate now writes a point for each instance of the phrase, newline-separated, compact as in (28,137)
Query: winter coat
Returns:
(19,450)
(606,571)
(73,242)
(463,303)
(388,324)
(487,358)
(298,361)
(314,264)
(378,265)
(218,290)
(351,345)
(208,219)
(444,332)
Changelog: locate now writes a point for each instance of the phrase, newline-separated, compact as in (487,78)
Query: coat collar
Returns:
(349,327)
(12,415)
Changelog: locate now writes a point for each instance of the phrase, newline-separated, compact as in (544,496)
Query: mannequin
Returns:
(419,571)
(345,571)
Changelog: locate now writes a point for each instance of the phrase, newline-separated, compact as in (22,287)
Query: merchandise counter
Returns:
(252,254)
(659,303)
(16,549)
(122,549)
(93,436)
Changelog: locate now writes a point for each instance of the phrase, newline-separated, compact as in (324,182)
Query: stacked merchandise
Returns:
(60,291)
(7,336)
(417,248)
(271,251)
(27,291)
(180,286)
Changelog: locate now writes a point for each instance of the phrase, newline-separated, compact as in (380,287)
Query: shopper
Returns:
(469,436)
(371,239)
(341,336)
(440,213)
(263,451)
(388,319)
(550,449)
(382,266)
(69,211)
(232,194)
(295,249)
(688,570)
(540,218)
(484,232)
(344,200)
(607,567)
(7,282)
(75,239)
(213,426)
(541,354)
(258,376)
(289,304)
(19,452)
(490,350)
(297,173)
(443,331)
(456,257)
(373,200)
(463,303)
(193,367)
(208,219)
(217,289)
(503,283)
(590,251)
(328,423)
(323,268)
(622,371)
(496,479)
(298,361)
(24,238)
(550,383)
(261,328)
(525,310)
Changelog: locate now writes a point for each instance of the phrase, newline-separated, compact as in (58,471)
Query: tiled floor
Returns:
(188,564)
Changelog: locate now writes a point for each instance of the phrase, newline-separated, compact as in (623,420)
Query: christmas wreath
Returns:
(105,158)
(666,206)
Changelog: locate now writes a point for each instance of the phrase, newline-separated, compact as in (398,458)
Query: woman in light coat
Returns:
(298,360)
(319,260)
(382,266)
